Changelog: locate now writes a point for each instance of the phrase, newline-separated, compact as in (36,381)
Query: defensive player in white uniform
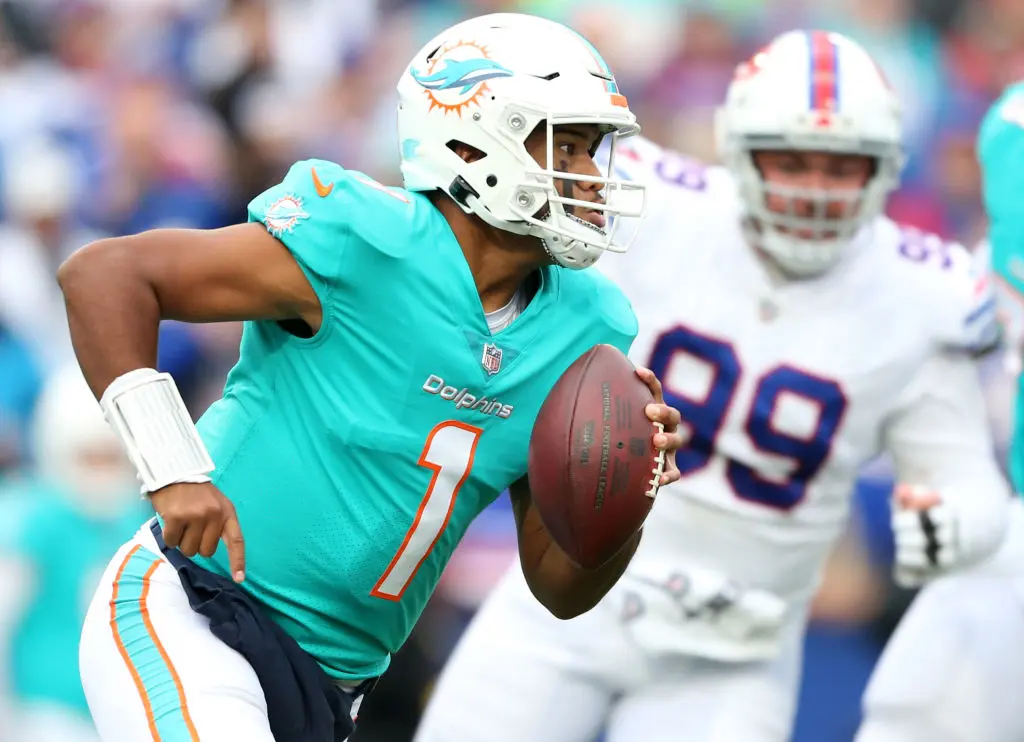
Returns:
(948,673)
(801,334)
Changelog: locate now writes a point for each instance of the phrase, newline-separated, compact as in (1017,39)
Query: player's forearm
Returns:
(569,591)
(113,312)
(559,585)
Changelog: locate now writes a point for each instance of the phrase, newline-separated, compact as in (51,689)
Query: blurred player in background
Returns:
(945,673)
(800,333)
(399,345)
(20,382)
(81,498)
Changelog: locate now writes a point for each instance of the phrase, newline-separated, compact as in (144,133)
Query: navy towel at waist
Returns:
(303,703)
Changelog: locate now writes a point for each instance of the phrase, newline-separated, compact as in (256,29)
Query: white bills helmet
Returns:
(810,91)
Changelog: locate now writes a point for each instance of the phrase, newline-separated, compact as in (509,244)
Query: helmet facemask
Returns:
(546,201)
(809,235)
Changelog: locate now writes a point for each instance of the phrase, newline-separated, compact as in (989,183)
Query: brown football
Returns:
(592,459)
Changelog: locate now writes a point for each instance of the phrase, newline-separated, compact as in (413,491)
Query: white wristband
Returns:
(146,410)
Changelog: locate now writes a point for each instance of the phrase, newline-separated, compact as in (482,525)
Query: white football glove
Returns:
(926,534)
(936,534)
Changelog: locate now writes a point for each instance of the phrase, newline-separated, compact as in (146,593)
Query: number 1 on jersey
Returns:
(448,452)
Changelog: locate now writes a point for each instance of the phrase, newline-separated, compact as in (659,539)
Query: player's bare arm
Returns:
(562,587)
(117,291)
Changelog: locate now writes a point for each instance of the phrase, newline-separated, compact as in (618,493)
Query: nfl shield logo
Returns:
(491,359)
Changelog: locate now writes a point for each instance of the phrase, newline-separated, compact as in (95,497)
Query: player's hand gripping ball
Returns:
(603,443)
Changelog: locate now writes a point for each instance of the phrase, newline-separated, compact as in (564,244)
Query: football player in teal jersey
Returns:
(59,523)
(398,345)
(1001,154)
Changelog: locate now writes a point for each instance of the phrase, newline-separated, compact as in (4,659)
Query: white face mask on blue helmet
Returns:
(488,83)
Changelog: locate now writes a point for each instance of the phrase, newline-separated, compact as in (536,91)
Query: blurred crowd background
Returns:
(123,115)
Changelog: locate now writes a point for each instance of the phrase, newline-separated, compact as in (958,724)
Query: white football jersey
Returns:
(787,387)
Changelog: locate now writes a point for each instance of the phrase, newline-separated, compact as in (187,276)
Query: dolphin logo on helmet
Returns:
(464,74)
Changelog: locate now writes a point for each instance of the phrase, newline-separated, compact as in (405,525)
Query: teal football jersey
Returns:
(358,457)
(66,551)
(1001,154)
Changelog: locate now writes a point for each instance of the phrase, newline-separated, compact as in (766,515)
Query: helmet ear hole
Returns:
(467,152)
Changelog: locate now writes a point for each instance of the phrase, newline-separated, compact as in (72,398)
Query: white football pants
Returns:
(521,674)
(953,669)
(151,669)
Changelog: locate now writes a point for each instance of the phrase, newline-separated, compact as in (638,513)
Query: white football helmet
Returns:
(77,450)
(488,82)
(812,91)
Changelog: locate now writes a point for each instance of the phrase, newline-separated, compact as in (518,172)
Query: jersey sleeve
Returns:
(307,212)
(967,303)
(687,203)
(939,437)
(939,429)
(338,224)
